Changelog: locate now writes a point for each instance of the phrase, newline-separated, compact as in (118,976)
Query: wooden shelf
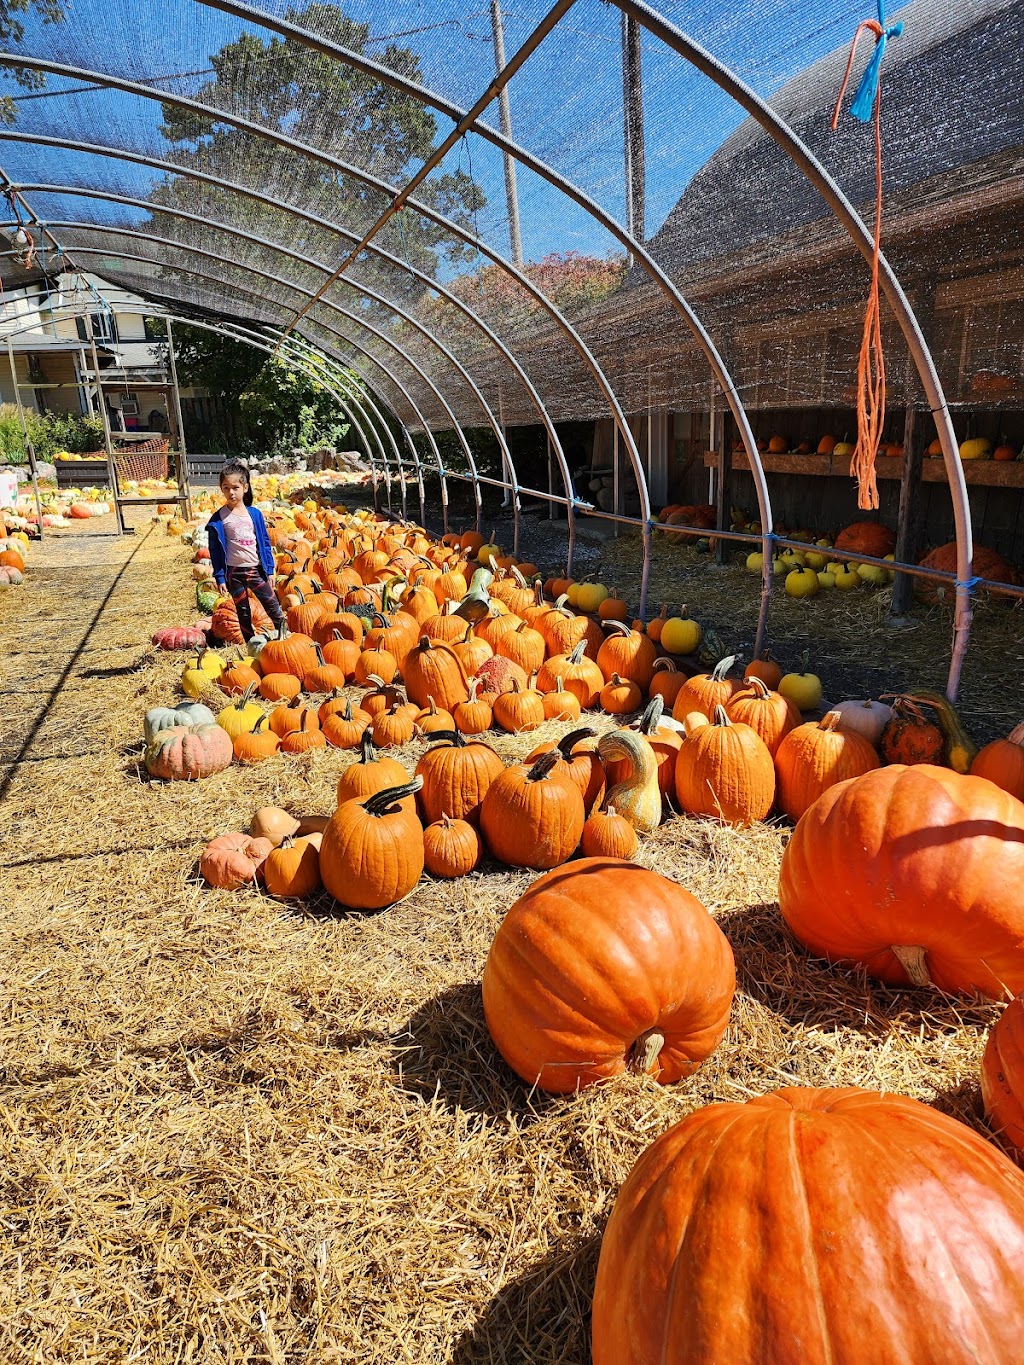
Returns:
(987,473)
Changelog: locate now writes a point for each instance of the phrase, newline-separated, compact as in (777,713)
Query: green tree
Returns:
(287,87)
(280,405)
(12,31)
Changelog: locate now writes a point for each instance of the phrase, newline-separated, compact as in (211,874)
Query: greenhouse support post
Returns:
(30,449)
(101,403)
(179,427)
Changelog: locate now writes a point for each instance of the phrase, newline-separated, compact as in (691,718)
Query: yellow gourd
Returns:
(638,798)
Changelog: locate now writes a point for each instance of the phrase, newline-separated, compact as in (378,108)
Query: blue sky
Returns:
(566,102)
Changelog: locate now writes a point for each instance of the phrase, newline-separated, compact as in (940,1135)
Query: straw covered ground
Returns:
(239,1131)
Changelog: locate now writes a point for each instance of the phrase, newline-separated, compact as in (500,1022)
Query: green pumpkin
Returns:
(207,596)
(165,717)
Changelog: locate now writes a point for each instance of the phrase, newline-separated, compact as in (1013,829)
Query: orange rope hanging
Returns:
(867,104)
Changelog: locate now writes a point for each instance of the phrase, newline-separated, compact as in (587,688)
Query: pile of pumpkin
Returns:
(603,966)
(13,549)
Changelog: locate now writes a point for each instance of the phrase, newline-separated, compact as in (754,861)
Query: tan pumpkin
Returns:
(636,797)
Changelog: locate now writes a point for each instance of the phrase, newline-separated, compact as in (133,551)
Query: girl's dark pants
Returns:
(241,582)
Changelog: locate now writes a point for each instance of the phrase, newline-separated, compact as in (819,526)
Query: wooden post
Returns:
(616,500)
(184,488)
(633,129)
(908,529)
(30,450)
(108,444)
(723,485)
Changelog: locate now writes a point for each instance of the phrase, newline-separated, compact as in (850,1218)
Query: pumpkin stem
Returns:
(576,657)
(619,626)
(543,766)
(645,1052)
(367,753)
(664,664)
(452,737)
(569,742)
(830,721)
(760,687)
(720,717)
(381,802)
(651,716)
(911,959)
(246,696)
(722,667)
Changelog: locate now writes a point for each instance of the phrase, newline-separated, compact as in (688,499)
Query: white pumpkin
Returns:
(867,718)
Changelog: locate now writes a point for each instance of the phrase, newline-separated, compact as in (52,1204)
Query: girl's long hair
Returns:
(238,467)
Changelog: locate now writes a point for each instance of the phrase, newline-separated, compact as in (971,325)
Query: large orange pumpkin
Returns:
(812,1226)
(603,966)
(913,873)
(1002,1078)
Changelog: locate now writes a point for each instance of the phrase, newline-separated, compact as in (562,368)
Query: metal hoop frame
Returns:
(471,120)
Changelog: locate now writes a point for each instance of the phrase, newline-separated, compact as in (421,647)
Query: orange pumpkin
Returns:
(372,850)
(1002,1078)
(532,816)
(769,713)
(603,967)
(853,873)
(724,770)
(892,1188)
(707,691)
(451,848)
(813,757)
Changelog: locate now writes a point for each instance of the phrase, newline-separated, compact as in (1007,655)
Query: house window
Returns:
(103,327)
(156,329)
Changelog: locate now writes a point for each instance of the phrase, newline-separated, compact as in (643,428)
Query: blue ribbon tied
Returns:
(863,106)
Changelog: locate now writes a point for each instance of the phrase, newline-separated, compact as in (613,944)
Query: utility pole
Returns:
(633,129)
(505,122)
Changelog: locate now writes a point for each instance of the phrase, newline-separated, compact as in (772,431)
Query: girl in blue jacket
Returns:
(240,552)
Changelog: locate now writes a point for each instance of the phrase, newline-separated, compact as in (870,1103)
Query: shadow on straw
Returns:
(542,1316)
(445,1051)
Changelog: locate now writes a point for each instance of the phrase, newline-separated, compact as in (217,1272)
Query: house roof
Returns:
(25,342)
(935,124)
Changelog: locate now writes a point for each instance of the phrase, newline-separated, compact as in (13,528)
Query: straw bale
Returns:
(240,1130)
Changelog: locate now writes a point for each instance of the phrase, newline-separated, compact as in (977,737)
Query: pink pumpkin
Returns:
(187,753)
(179,637)
(233,860)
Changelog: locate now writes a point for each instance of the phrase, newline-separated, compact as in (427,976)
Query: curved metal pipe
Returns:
(326,303)
(801,155)
(364,177)
(255,270)
(281,250)
(636,248)
(292,210)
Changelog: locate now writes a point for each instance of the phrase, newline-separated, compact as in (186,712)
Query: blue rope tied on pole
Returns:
(863,106)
